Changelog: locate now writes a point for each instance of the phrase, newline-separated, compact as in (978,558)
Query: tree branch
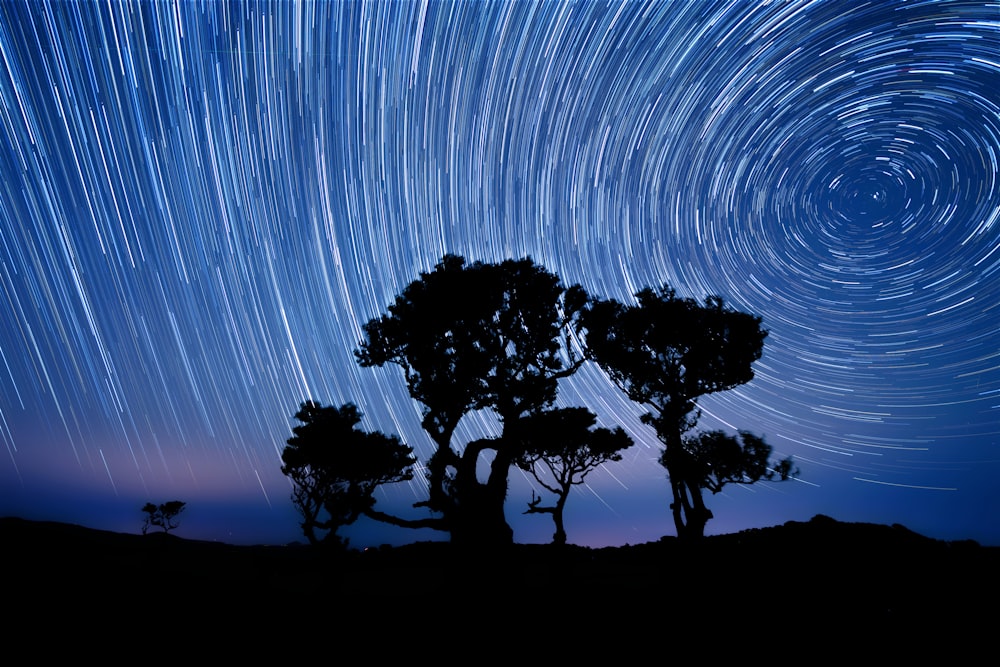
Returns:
(436,523)
(533,507)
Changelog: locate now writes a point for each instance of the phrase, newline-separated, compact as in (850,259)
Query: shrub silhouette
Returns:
(164,515)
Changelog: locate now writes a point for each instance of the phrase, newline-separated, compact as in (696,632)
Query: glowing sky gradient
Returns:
(203,203)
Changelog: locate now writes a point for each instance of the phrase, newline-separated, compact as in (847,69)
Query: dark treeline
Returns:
(500,337)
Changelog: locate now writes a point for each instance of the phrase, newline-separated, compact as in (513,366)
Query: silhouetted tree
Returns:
(336,467)
(665,352)
(560,448)
(472,337)
(164,515)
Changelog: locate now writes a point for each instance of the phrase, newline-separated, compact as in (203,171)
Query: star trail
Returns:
(203,203)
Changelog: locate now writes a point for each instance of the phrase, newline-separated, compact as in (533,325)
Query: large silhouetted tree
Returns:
(665,352)
(469,337)
(336,467)
(560,449)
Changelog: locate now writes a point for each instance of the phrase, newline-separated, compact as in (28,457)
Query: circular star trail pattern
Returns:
(203,204)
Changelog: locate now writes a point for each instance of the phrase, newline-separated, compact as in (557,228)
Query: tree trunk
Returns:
(677,507)
(496,496)
(690,513)
(673,461)
(557,516)
(479,519)
(688,506)
(310,534)
(437,468)
(697,514)
(479,522)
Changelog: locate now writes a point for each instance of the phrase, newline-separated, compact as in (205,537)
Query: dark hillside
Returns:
(825,580)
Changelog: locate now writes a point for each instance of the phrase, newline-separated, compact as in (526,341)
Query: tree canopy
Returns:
(666,351)
(717,458)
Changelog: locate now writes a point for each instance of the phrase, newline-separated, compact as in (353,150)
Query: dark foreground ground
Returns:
(799,591)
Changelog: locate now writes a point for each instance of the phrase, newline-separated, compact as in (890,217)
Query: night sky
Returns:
(202,204)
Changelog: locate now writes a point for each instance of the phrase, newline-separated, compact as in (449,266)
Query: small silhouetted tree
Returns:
(561,448)
(665,352)
(470,337)
(335,468)
(163,516)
